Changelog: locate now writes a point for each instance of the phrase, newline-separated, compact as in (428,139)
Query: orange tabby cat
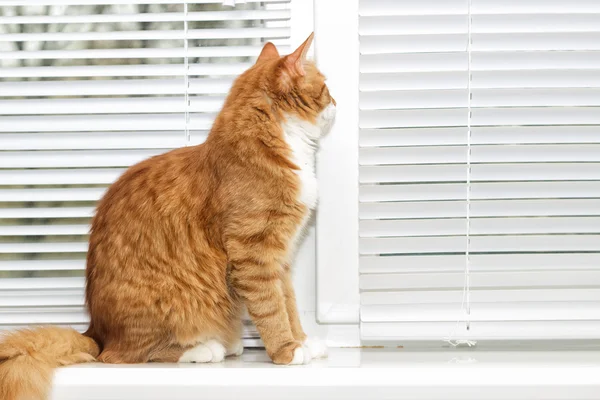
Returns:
(181,242)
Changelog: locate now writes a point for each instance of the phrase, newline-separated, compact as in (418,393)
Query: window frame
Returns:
(337,55)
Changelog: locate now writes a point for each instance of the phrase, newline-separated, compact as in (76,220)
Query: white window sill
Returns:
(348,374)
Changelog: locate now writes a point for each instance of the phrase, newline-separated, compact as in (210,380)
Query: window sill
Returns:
(347,374)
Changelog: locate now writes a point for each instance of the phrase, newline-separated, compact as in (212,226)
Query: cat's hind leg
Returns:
(208,351)
(161,352)
(171,354)
(134,349)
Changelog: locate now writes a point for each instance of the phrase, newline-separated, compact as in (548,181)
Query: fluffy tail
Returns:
(28,358)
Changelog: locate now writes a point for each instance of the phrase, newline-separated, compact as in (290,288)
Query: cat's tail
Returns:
(28,358)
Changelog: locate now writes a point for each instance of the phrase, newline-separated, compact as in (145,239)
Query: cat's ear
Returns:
(269,52)
(293,62)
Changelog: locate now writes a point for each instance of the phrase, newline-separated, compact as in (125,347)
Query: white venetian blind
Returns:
(87,89)
(510,207)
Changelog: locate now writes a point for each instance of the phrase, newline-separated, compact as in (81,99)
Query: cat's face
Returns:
(296,85)
(315,87)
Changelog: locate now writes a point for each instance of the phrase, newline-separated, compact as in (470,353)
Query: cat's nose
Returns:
(333,101)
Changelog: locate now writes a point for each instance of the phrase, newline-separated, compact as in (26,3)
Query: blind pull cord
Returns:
(466,295)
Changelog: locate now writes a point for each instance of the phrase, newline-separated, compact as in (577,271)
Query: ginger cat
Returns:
(181,242)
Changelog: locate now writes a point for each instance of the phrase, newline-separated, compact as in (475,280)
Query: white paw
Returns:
(236,349)
(217,349)
(199,354)
(211,351)
(301,356)
(317,347)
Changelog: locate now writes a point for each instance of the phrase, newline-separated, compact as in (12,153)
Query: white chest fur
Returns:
(302,138)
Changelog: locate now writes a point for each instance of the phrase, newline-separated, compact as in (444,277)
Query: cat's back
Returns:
(154,207)
(162,184)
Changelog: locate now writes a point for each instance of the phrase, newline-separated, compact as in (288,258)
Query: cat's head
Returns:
(294,85)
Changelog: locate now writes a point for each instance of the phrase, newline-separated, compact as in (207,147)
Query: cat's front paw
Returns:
(292,354)
(317,347)
(302,355)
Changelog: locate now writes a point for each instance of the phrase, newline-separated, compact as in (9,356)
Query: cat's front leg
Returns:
(317,347)
(255,276)
(291,305)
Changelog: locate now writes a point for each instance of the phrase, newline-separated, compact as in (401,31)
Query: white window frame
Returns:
(337,55)
(351,374)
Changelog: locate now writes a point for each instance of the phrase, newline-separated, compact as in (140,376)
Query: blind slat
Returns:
(481,172)
(29,298)
(46,212)
(534,6)
(44,316)
(25,248)
(491,243)
(234,15)
(21,286)
(79,176)
(479,296)
(115,87)
(85,2)
(412,62)
(413,118)
(532,97)
(123,70)
(208,51)
(43,230)
(536,41)
(171,104)
(413,155)
(479,226)
(510,153)
(118,122)
(441,42)
(406,7)
(521,79)
(150,35)
(70,194)
(413,25)
(71,159)
(479,135)
(41,265)
(481,280)
(481,191)
(515,330)
(479,208)
(538,22)
(479,263)
(547,311)
(96,140)
(407,99)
